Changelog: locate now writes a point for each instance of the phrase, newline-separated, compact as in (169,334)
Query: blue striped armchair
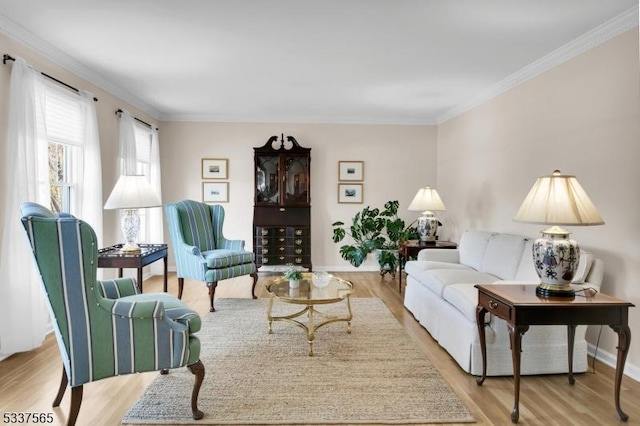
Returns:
(105,328)
(201,251)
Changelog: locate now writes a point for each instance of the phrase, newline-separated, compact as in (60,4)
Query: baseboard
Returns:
(630,370)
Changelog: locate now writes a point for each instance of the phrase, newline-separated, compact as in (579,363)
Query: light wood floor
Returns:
(29,381)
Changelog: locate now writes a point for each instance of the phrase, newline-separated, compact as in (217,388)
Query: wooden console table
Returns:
(521,307)
(412,248)
(114,257)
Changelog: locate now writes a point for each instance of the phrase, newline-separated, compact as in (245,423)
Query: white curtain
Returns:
(90,168)
(156,233)
(127,141)
(23,311)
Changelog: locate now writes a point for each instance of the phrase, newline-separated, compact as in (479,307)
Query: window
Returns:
(59,177)
(64,122)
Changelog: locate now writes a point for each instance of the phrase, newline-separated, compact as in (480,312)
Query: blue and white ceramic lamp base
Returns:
(556,257)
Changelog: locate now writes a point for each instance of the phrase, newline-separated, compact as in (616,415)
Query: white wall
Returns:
(398,160)
(582,117)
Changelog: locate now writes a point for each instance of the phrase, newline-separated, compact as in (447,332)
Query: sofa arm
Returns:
(440,255)
(595,275)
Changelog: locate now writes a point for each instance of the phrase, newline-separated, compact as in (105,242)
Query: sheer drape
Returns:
(23,311)
(127,141)
(90,168)
(156,233)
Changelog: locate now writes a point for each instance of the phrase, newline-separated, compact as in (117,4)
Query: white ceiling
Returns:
(339,61)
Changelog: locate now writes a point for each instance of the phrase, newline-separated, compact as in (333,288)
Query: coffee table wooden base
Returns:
(311,326)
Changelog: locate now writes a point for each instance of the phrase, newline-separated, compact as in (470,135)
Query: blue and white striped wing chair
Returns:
(201,251)
(105,328)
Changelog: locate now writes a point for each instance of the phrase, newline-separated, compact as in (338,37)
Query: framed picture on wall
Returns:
(215,192)
(351,171)
(215,168)
(350,193)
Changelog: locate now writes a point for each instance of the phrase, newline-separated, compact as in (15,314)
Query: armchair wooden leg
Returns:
(255,280)
(180,287)
(63,387)
(212,292)
(198,370)
(76,400)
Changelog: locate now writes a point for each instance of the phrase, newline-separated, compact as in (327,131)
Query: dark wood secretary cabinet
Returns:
(282,203)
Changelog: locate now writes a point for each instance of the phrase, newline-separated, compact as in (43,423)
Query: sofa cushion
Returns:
(417,267)
(437,279)
(440,255)
(502,255)
(464,297)
(584,266)
(226,258)
(526,271)
(472,246)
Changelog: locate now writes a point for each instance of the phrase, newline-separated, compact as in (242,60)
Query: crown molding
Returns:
(599,35)
(57,56)
(211,118)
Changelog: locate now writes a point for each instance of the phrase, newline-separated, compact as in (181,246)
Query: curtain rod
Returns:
(6,58)
(119,111)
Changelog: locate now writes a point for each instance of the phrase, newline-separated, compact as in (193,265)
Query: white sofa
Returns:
(440,294)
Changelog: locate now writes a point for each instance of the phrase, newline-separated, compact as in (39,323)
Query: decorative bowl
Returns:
(321,279)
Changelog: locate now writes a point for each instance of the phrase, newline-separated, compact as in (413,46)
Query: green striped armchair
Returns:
(201,251)
(105,328)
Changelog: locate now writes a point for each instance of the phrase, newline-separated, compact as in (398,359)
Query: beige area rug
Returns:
(375,375)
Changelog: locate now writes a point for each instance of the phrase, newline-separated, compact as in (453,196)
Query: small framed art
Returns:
(351,171)
(215,192)
(350,193)
(215,168)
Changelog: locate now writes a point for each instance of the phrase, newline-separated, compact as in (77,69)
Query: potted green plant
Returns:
(293,274)
(374,231)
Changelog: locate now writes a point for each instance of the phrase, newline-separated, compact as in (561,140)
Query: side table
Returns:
(114,257)
(521,307)
(412,248)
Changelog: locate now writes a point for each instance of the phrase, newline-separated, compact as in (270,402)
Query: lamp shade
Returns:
(427,198)
(559,200)
(132,192)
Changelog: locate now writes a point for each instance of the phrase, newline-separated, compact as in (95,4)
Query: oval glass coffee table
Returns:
(309,296)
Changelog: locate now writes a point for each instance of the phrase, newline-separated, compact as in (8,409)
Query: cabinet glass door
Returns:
(296,189)
(267,179)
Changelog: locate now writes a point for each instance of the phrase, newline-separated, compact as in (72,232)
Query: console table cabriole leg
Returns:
(349,317)
(480,313)
(624,339)
(571,334)
(515,334)
(269,317)
(165,282)
(140,279)
(311,329)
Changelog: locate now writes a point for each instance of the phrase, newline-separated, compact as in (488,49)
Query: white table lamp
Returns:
(131,193)
(557,200)
(426,201)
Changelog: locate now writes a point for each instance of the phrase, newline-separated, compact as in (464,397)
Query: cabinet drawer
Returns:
(496,307)
(297,232)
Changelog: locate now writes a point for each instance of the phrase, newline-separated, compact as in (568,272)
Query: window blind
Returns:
(63,116)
